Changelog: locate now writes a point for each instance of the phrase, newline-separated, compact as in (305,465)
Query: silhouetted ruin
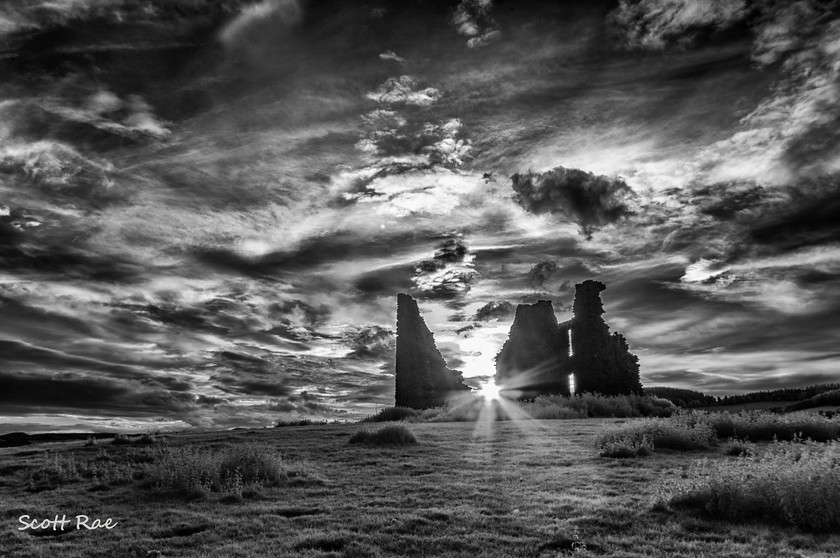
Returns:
(423,380)
(536,344)
(536,358)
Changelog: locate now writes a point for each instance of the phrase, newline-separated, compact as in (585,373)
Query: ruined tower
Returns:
(423,380)
(536,352)
(602,362)
(537,358)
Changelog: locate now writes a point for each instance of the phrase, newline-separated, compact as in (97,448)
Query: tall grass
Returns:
(641,436)
(227,471)
(59,469)
(757,426)
(795,483)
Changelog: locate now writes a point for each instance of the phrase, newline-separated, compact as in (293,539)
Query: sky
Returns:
(207,208)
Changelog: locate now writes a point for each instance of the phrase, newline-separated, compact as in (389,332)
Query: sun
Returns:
(490,391)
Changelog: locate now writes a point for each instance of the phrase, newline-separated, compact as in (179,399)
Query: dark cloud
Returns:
(660,24)
(590,200)
(449,273)
(724,201)
(472,19)
(371,342)
(814,220)
(17,353)
(37,244)
(245,374)
(77,391)
(495,310)
(387,281)
(541,273)
(313,252)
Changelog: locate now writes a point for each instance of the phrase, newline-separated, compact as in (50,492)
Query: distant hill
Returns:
(828,398)
(803,398)
(789,394)
(685,398)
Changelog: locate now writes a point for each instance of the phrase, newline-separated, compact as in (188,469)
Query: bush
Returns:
(394,435)
(389,414)
(299,422)
(655,433)
(796,483)
(740,448)
(627,448)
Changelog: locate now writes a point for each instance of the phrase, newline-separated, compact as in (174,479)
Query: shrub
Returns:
(298,422)
(655,433)
(741,448)
(389,414)
(796,483)
(394,435)
(627,448)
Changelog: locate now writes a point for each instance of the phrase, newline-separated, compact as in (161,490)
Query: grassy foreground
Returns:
(515,488)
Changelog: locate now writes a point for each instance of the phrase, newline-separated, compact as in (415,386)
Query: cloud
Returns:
(132,117)
(285,13)
(64,391)
(658,24)
(472,19)
(793,131)
(494,310)
(541,273)
(371,342)
(398,143)
(404,90)
(811,221)
(392,56)
(60,168)
(589,200)
(449,273)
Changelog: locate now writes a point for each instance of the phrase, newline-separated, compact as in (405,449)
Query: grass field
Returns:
(518,488)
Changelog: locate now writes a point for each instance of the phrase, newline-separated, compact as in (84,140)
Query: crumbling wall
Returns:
(536,352)
(423,380)
(536,358)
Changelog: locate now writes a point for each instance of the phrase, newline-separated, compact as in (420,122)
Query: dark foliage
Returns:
(394,435)
(789,394)
(686,398)
(390,414)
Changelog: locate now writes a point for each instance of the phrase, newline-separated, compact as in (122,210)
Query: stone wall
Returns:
(423,380)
